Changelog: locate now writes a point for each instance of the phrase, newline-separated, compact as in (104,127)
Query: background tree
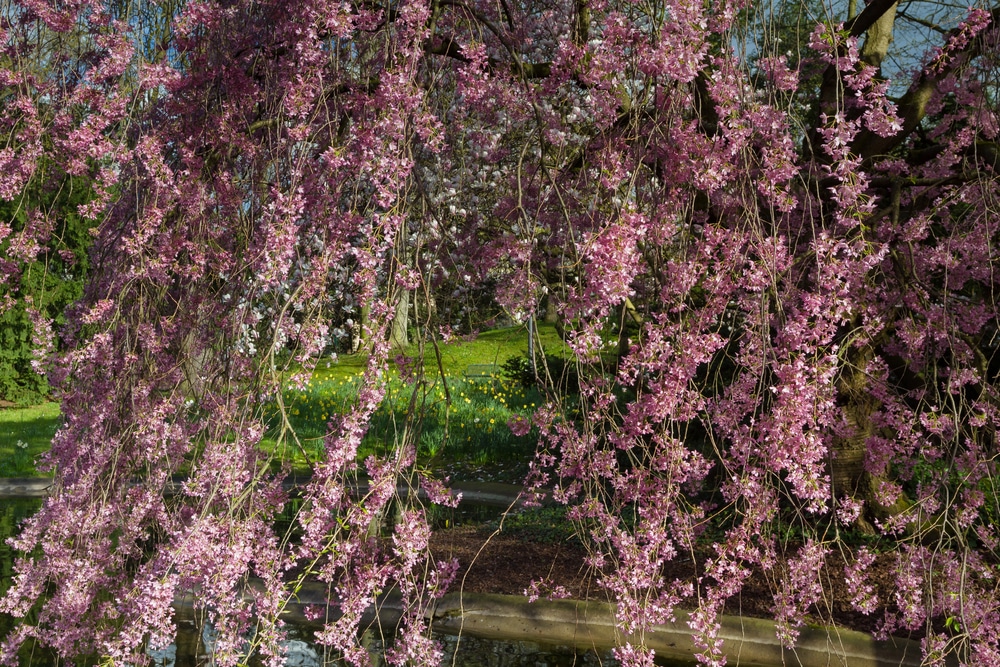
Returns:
(812,279)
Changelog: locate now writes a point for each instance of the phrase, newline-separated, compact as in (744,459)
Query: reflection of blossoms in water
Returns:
(545,589)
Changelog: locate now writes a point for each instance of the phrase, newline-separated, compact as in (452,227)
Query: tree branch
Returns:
(517,67)
(912,107)
(923,22)
(878,38)
(866,19)
(881,12)
(445,46)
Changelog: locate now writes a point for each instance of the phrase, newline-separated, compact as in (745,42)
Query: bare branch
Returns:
(517,66)
(923,22)
(445,46)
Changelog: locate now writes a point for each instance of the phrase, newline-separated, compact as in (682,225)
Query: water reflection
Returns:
(194,643)
(193,648)
(12,512)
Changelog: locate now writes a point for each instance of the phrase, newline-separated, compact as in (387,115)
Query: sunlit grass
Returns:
(467,423)
(25,433)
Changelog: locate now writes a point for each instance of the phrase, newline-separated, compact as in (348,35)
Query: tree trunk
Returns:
(551,314)
(398,337)
(195,358)
(846,465)
(878,38)
(358,331)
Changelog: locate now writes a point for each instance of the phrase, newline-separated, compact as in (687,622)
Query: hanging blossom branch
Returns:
(213,255)
(773,313)
(774,285)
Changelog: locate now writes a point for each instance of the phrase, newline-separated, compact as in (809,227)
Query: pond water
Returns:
(193,649)
(193,645)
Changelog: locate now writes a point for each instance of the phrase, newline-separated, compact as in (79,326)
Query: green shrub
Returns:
(560,372)
(52,282)
(539,524)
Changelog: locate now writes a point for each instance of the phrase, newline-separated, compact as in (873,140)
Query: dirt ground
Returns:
(493,562)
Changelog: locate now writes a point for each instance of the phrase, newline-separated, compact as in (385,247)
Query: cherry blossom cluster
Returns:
(770,322)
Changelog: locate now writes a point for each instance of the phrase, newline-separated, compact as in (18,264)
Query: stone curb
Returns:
(484,493)
(746,642)
(749,642)
(25,487)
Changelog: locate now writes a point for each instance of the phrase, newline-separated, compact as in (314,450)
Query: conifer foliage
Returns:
(780,300)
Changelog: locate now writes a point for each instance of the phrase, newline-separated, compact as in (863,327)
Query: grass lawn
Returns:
(24,434)
(453,418)
(471,426)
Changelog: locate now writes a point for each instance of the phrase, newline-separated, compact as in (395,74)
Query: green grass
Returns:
(24,434)
(465,424)
(495,347)
(549,525)
(470,428)
(490,347)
